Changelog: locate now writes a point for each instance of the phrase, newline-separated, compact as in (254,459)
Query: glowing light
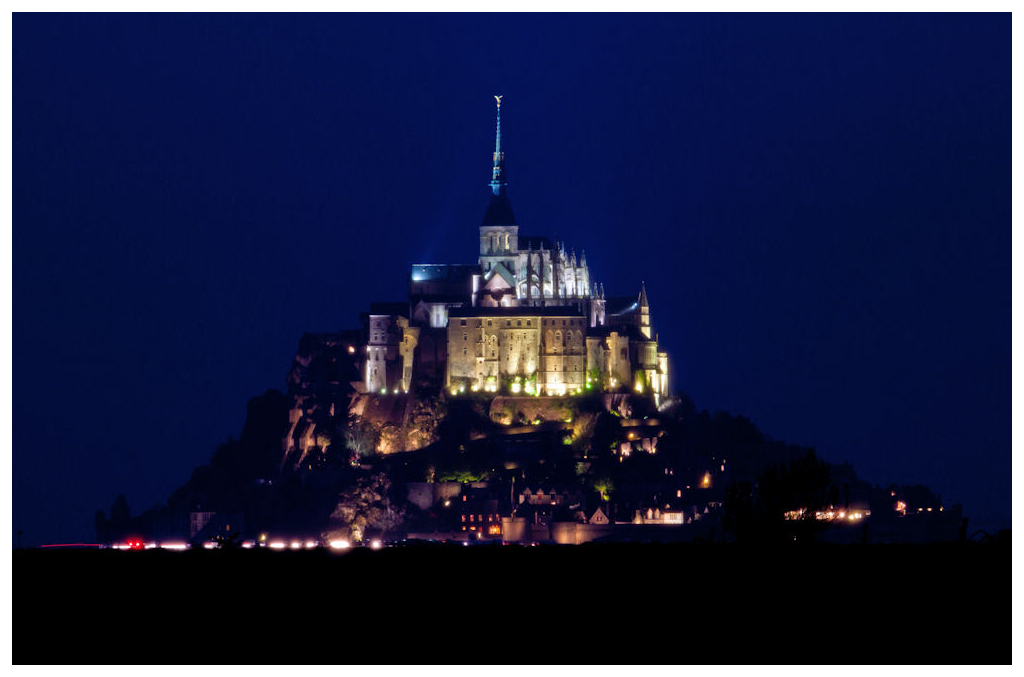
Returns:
(175,546)
(278,545)
(263,538)
(310,544)
(706,481)
(375,544)
(351,349)
(447,502)
(296,545)
(340,544)
(209,546)
(248,544)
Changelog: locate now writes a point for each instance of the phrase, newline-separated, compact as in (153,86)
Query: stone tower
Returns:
(644,312)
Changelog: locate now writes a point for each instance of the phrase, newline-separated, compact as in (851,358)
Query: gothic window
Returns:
(462,323)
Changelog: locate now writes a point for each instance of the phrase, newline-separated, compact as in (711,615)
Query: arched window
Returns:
(558,340)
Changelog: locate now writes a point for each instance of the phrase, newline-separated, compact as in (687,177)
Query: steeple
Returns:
(644,312)
(498,173)
(499,209)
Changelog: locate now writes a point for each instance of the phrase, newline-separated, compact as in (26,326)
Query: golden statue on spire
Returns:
(498,99)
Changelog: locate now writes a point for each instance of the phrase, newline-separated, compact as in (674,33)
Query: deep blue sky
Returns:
(819,204)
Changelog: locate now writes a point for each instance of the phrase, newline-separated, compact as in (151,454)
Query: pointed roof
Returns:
(501,271)
(643,295)
(499,211)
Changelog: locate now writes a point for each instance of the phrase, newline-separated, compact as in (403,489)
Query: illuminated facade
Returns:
(526,318)
(528,350)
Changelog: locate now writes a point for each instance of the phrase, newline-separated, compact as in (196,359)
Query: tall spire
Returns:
(498,173)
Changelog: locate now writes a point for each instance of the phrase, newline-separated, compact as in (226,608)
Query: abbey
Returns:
(526,318)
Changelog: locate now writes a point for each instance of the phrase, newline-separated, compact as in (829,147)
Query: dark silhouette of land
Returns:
(595,603)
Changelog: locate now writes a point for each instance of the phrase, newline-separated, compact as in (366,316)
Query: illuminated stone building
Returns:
(527,317)
(522,349)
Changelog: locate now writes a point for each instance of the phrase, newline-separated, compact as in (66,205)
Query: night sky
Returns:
(819,205)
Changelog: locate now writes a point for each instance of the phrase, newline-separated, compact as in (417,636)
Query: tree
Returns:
(604,486)
(361,437)
(364,506)
(755,512)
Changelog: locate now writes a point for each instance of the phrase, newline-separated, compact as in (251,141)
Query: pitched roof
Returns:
(503,272)
(400,308)
(534,242)
(630,331)
(442,271)
(499,212)
(620,305)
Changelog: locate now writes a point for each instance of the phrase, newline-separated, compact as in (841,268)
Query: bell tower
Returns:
(499,232)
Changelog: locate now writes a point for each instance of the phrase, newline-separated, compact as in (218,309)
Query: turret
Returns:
(644,312)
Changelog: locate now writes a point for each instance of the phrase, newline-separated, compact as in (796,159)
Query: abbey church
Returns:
(527,318)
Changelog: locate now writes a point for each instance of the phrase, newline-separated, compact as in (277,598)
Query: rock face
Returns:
(321,387)
(331,412)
